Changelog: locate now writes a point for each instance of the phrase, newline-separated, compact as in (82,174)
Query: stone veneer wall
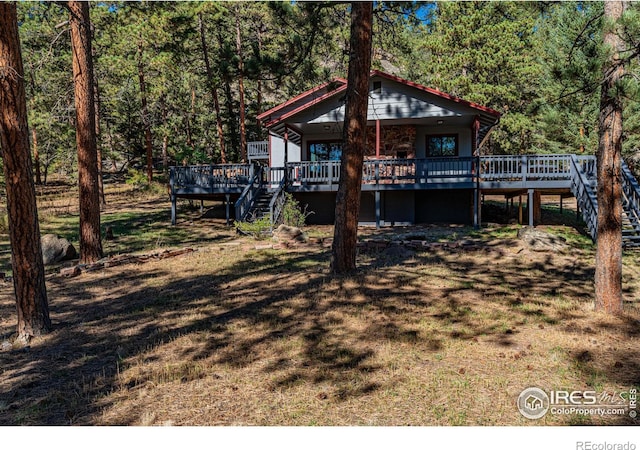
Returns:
(393,139)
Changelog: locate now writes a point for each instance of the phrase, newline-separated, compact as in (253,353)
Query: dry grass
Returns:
(231,335)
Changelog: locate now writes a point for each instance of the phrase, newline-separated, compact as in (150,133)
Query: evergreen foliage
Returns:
(535,62)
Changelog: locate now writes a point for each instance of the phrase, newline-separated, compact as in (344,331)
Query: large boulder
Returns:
(285,233)
(56,249)
(541,241)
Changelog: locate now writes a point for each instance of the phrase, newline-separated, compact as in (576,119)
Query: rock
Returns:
(56,249)
(541,241)
(287,233)
(398,252)
(70,271)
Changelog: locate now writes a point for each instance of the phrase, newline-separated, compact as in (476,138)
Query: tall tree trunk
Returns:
(213,89)
(146,120)
(34,135)
(165,137)
(231,128)
(343,253)
(36,155)
(24,231)
(608,276)
(89,192)
(243,129)
(103,199)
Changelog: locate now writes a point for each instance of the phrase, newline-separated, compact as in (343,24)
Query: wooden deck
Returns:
(484,173)
(563,174)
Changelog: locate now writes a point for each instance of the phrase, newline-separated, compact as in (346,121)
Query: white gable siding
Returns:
(277,151)
(394,101)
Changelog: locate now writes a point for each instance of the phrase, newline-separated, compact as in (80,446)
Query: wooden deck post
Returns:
(530,206)
(377,195)
(476,208)
(227,203)
(173,209)
(172,181)
(377,138)
(537,208)
(520,210)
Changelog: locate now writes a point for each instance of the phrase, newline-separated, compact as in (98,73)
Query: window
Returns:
(325,151)
(442,145)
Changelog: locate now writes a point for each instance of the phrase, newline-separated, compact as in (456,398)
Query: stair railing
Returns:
(631,192)
(585,196)
(249,194)
(276,205)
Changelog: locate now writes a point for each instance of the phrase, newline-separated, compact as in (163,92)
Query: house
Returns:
(422,163)
(407,123)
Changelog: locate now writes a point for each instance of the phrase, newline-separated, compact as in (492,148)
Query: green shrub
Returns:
(136,178)
(293,214)
(259,228)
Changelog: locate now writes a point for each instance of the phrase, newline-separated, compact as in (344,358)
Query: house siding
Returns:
(277,151)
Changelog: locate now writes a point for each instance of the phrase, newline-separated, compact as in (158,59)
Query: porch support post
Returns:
(475,133)
(286,151)
(173,209)
(172,181)
(520,210)
(227,202)
(377,138)
(377,194)
(530,206)
(201,206)
(476,208)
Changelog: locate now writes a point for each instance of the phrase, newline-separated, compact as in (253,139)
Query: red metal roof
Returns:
(308,98)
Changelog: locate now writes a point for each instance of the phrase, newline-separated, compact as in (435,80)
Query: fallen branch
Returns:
(121,260)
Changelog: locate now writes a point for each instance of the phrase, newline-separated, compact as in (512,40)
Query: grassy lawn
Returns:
(240,334)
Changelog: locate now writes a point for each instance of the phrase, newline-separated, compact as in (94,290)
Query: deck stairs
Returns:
(260,207)
(584,188)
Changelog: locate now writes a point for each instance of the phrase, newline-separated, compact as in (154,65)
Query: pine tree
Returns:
(343,252)
(24,231)
(608,276)
(89,192)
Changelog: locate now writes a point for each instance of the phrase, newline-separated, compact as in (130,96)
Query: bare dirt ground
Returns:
(440,326)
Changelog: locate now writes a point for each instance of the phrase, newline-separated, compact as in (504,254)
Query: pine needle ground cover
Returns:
(244,333)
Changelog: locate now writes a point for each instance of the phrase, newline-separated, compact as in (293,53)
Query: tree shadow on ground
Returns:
(278,313)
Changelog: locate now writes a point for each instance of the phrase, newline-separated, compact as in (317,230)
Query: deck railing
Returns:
(503,169)
(273,176)
(222,176)
(258,150)
(314,172)
(525,167)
